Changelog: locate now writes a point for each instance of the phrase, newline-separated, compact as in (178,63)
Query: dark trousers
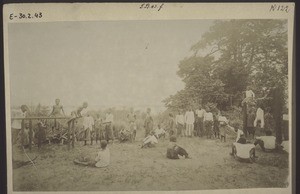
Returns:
(199,127)
(260,143)
(108,132)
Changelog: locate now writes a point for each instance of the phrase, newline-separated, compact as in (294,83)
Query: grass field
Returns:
(133,168)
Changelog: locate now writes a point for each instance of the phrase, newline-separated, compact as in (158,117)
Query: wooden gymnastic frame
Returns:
(70,130)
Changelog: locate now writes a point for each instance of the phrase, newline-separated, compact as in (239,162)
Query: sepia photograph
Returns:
(148,104)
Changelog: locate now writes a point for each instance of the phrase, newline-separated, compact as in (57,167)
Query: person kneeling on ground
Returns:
(243,149)
(149,141)
(267,143)
(174,150)
(102,159)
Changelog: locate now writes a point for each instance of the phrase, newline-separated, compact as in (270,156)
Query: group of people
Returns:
(198,122)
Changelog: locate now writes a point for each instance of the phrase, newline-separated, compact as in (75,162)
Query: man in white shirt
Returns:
(17,124)
(179,121)
(267,143)
(208,123)
(199,121)
(260,117)
(249,93)
(88,127)
(189,121)
(109,119)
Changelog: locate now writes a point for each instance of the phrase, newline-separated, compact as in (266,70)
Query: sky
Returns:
(105,63)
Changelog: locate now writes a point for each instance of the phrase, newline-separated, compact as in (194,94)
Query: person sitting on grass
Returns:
(160,132)
(267,143)
(102,159)
(149,141)
(238,131)
(243,149)
(174,151)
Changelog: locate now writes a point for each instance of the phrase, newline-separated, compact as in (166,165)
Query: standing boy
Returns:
(189,121)
(148,124)
(179,121)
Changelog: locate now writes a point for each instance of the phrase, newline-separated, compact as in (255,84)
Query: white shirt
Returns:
(286,146)
(242,150)
(250,93)
(150,139)
(189,117)
(159,131)
(239,133)
(88,122)
(259,117)
(103,158)
(17,124)
(208,116)
(109,117)
(200,113)
(222,119)
(179,119)
(285,117)
(269,142)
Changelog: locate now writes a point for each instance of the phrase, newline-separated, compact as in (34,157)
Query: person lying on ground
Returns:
(174,151)
(159,132)
(149,141)
(267,142)
(102,159)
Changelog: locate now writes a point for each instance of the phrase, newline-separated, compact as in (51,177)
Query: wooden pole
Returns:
(73,134)
(30,134)
(22,131)
(69,140)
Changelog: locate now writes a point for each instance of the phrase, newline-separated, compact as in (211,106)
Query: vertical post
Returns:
(69,140)
(30,134)
(22,132)
(73,133)
(245,112)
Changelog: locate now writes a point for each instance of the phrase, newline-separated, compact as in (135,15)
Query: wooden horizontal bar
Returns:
(33,118)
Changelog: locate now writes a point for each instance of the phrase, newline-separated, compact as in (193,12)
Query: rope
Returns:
(29,158)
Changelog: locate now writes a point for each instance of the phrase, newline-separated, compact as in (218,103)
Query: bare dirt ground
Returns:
(133,168)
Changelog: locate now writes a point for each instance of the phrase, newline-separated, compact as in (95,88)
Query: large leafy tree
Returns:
(232,55)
